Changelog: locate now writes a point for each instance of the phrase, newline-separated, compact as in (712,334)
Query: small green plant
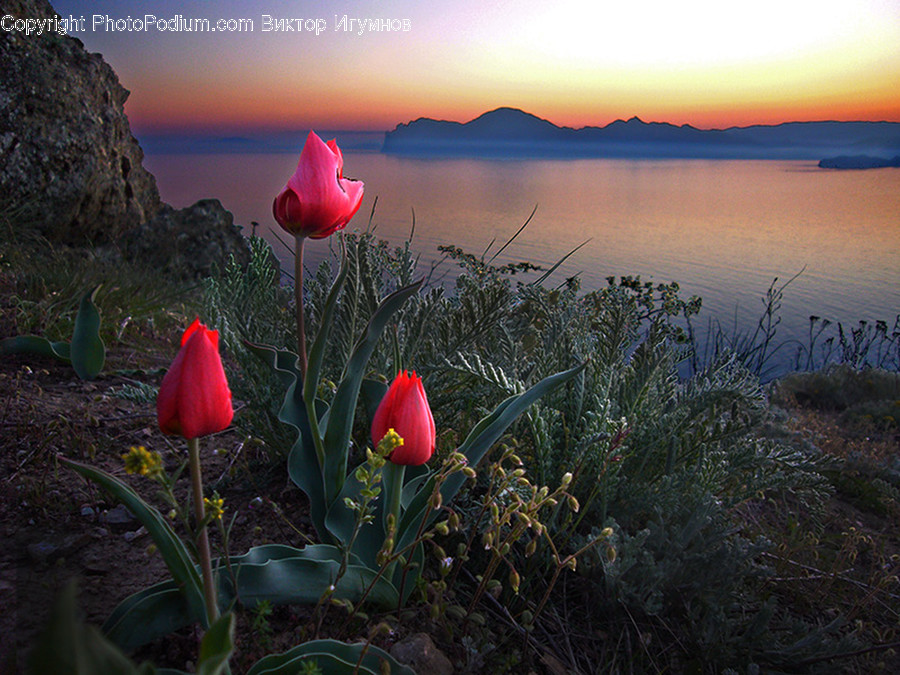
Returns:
(86,351)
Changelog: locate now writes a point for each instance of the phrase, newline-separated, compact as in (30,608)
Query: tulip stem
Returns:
(298,296)
(209,591)
(393,478)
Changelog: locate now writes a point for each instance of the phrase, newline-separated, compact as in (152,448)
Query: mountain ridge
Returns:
(508,131)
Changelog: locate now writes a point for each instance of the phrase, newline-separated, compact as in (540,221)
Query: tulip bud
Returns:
(194,399)
(405,409)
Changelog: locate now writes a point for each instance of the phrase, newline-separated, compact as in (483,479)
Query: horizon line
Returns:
(237,130)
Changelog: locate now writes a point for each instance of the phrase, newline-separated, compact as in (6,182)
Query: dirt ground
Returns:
(56,526)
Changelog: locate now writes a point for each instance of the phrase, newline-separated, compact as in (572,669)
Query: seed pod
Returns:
(514,581)
(436,500)
(456,612)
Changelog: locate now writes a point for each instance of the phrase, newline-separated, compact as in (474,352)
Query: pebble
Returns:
(131,536)
(118,515)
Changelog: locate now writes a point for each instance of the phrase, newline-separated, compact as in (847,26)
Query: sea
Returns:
(725,230)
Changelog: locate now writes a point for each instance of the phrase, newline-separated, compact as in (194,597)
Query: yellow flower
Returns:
(141,461)
(389,442)
(215,507)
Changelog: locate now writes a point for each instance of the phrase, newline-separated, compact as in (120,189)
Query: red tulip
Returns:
(317,200)
(194,398)
(404,409)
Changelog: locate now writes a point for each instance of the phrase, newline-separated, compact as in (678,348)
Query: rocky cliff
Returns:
(71,168)
(69,164)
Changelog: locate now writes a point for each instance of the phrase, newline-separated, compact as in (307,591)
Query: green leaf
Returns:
(343,407)
(173,551)
(68,646)
(333,657)
(283,361)
(372,391)
(274,573)
(303,461)
(216,646)
(88,352)
(317,351)
(285,575)
(148,615)
(37,346)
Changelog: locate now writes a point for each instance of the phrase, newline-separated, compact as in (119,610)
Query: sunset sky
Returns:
(709,63)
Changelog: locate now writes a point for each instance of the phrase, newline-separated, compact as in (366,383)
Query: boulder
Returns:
(69,164)
(189,242)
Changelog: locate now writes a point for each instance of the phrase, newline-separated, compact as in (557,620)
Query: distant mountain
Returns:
(509,132)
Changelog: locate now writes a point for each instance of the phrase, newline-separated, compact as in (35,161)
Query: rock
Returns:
(69,165)
(117,517)
(187,243)
(41,551)
(136,534)
(419,653)
(50,549)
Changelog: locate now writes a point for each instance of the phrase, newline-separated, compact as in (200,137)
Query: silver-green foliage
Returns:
(668,462)
(249,304)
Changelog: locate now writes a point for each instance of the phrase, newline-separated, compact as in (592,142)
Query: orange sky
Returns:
(712,64)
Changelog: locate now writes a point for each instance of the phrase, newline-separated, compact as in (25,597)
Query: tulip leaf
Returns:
(343,407)
(372,391)
(148,615)
(283,361)
(216,646)
(274,573)
(37,346)
(332,657)
(173,551)
(67,645)
(88,351)
(302,458)
(409,576)
(317,351)
(487,432)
